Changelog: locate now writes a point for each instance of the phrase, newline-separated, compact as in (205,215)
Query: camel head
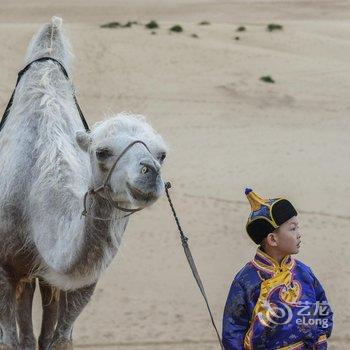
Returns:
(136,178)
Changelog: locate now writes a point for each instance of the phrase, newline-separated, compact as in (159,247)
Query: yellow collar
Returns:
(268,264)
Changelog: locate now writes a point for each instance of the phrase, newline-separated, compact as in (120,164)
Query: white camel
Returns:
(47,165)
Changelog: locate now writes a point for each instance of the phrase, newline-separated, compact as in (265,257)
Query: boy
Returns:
(275,302)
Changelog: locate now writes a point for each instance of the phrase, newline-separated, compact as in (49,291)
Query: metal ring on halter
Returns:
(107,190)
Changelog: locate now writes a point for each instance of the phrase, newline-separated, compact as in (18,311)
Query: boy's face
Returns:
(287,237)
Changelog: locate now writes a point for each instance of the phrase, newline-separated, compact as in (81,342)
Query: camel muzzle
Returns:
(106,188)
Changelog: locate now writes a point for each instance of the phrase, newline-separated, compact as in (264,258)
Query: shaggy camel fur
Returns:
(48,163)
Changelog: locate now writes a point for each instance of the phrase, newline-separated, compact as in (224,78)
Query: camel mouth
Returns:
(139,195)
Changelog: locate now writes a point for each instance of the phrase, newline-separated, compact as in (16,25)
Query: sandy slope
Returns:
(226,130)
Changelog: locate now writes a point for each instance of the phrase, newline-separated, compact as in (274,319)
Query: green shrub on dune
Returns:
(176,28)
(152,25)
(241,29)
(118,24)
(272,27)
(267,79)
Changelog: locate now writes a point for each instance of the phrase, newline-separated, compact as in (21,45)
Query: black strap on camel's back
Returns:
(20,74)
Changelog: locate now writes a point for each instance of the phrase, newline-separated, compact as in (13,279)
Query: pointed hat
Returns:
(266,215)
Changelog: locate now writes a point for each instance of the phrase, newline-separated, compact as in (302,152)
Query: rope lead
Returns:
(191,262)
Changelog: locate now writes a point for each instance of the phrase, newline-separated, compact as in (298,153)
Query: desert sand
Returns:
(226,130)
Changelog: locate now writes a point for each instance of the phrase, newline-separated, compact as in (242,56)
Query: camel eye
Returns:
(103,153)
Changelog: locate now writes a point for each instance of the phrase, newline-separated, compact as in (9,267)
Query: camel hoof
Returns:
(62,344)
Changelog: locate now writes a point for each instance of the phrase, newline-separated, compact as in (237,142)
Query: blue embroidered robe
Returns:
(274,306)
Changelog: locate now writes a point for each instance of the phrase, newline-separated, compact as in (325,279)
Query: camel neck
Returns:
(103,231)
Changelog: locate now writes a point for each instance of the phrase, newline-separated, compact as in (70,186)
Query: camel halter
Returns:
(107,189)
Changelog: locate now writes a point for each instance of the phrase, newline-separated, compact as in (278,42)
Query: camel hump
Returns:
(50,41)
(56,22)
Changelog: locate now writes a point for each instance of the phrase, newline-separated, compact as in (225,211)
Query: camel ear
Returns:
(83,139)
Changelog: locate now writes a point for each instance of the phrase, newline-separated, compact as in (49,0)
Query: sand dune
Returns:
(226,129)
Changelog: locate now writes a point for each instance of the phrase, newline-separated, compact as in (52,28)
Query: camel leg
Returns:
(71,304)
(8,311)
(24,296)
(50,297)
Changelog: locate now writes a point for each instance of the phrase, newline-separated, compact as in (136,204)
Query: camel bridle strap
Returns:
(106,187)
(106,183)
(22,72)
(184,241)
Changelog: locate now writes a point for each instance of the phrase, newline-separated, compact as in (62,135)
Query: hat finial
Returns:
(248,190)
(254,199)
